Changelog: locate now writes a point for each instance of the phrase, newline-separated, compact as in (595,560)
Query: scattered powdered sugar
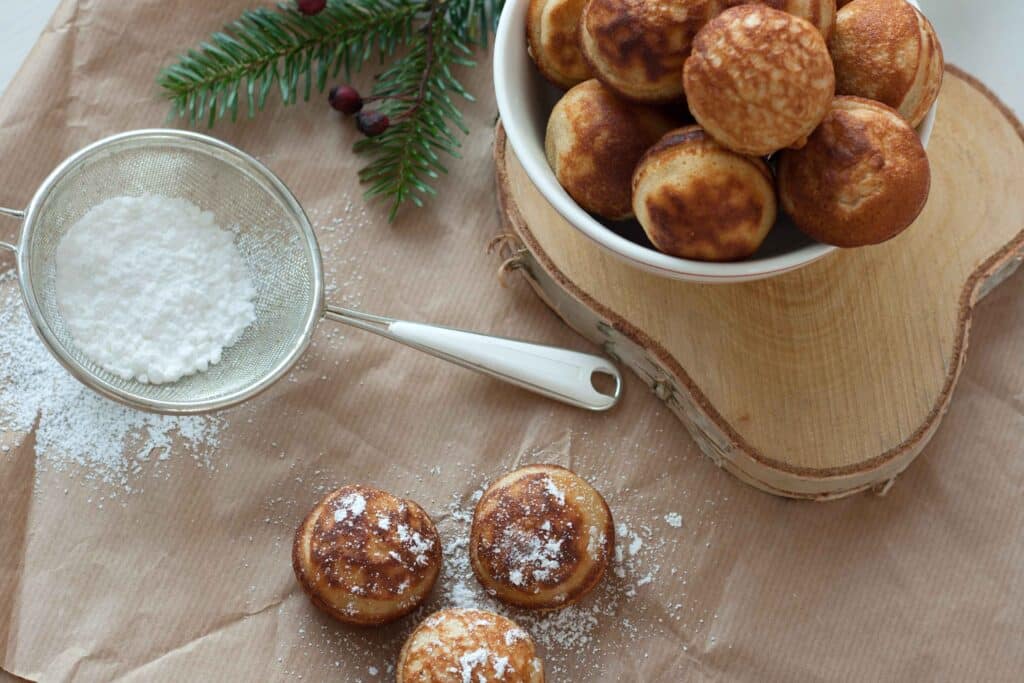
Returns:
(642,603)
(641,594)
(596,540)
(75,429)
(152,288)
(561,634)
(674,520)
(343,264)
(624,534)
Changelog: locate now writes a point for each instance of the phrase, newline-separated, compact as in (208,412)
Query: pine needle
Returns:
(267,51)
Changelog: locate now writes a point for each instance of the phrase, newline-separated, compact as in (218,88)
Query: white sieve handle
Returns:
(557,373)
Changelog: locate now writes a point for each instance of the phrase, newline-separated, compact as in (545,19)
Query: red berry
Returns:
(346,99)
(311,7)
(371,123)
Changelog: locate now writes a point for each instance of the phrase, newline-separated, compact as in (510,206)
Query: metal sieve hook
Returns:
(13,213)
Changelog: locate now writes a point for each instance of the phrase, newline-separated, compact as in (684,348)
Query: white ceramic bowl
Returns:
(524,101)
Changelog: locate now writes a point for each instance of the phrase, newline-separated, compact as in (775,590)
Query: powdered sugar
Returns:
(514,635)
(530,553)
(560,633)
(674,520)
(151,288)
(552,489)
(349,506)
(596,541)
(472,660)
(635,541)
(74,427)
(416,543)
(637,599)
(500,664)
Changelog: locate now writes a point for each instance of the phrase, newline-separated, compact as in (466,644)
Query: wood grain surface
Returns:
(831,379)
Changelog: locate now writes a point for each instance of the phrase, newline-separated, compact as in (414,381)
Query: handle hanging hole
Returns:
(604,383)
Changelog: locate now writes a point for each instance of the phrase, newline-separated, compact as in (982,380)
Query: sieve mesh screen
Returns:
(272,234)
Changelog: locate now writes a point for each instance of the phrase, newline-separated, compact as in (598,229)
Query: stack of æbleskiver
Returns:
(795,104)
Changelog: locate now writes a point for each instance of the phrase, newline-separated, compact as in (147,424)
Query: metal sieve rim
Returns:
(84,375)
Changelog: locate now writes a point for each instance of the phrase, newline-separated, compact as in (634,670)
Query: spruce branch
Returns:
(264,48)
(406,156)
(283,48)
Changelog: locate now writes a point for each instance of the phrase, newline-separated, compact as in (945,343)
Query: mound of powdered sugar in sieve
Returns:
(151,288)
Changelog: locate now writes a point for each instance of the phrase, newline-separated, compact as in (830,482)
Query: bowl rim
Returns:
(510,44)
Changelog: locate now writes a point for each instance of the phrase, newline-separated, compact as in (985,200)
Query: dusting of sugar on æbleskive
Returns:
(415,543)
(552,489)
(151,288)
(533,553)
(562,634)
(470,661)
(351,506)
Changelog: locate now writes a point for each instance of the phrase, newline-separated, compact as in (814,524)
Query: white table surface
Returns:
(985,38)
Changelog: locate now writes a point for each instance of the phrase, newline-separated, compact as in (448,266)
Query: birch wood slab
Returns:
(818,383)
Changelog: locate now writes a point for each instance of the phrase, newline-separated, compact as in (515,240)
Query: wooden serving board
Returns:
(821,382)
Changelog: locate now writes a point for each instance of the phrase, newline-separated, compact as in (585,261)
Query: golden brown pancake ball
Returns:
(886,50)
(637,47)
(759,79)
(365,556)
(593,142)
(821,13)
(456,645)
(542,538)
(862,178)
(698,200)
(552,39)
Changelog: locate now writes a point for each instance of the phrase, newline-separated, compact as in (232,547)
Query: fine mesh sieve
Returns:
(279,247)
